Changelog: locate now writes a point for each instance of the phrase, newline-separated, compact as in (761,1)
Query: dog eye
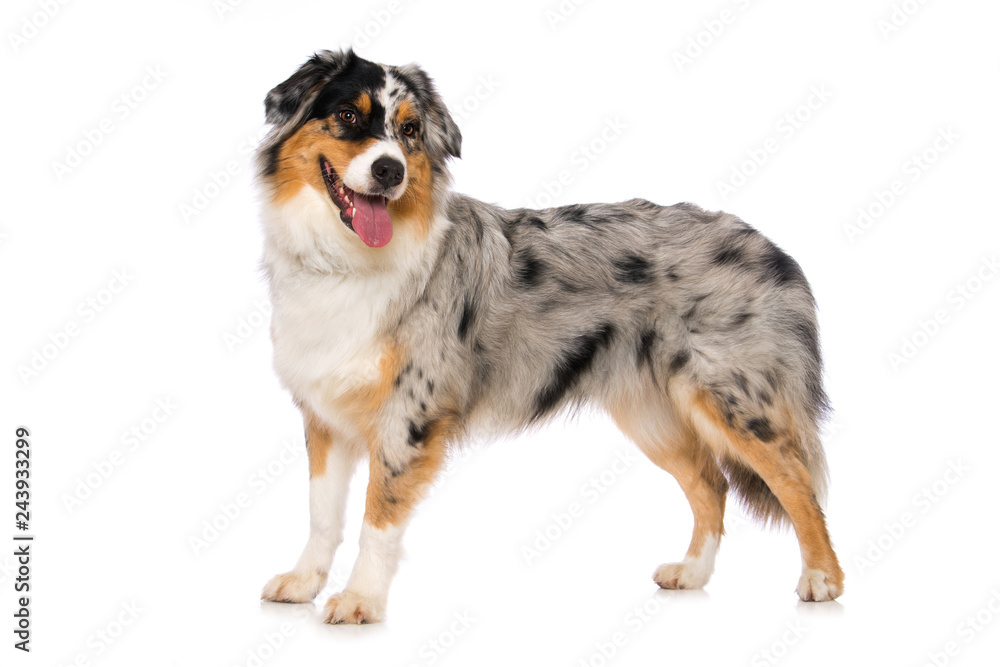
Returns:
(348,116)
(408,129)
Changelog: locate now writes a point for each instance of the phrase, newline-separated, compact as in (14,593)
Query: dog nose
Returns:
(388,171)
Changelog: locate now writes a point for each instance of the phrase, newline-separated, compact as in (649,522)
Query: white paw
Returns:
(294,587)
(349,607)
(686,575)
(817,586)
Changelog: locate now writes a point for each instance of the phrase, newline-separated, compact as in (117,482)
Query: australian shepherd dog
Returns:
(408,318)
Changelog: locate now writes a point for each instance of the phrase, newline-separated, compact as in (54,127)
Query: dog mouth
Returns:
(365,215)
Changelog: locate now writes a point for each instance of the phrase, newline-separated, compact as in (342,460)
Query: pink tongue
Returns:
(371,220)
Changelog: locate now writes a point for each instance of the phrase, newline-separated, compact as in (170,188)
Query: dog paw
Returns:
(348,607)
(294,587)
(817,586)
(681,576)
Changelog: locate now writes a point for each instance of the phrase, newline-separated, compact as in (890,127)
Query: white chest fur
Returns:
(326,331)
(330,327)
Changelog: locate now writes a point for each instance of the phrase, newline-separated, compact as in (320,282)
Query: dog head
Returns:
(371,140)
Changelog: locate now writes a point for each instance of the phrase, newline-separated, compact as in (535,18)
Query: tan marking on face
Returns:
(416,202)
(298,159)
(363,103)
(298,166)
(405,112)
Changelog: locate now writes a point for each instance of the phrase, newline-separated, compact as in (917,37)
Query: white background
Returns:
(532,90)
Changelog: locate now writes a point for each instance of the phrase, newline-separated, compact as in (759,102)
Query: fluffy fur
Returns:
(695,332)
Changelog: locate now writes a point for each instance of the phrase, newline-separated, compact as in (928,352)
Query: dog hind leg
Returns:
(776,454)
(678,450)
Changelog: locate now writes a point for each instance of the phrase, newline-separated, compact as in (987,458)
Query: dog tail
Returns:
(753,493)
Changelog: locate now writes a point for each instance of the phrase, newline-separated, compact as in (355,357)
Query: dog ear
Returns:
(451,134)
(285,99)
(443,138)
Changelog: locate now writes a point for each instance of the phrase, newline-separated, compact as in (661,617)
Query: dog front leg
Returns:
(331,463)
(398,479)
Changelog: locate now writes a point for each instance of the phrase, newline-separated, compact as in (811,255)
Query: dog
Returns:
(408,318)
